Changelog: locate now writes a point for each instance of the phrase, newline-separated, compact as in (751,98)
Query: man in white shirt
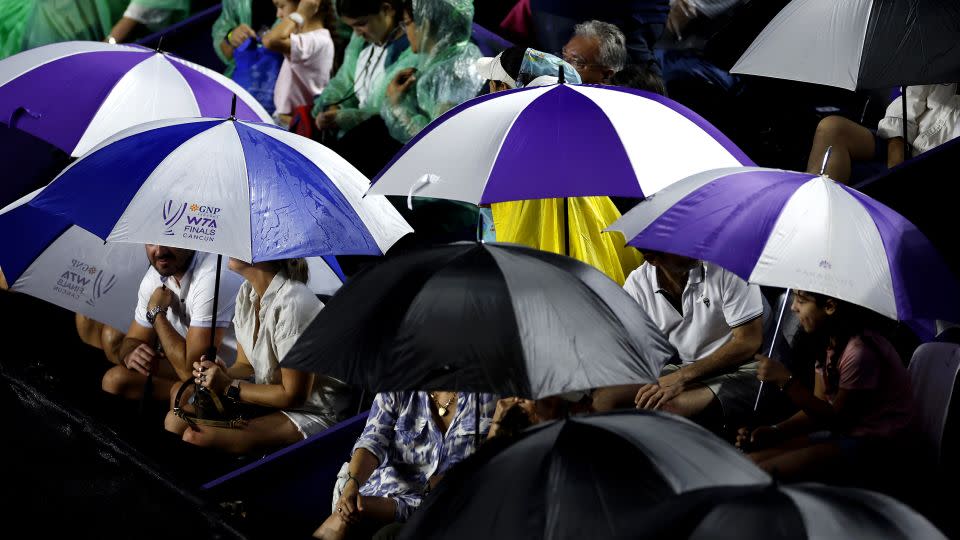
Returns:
(714,319)
(174,312)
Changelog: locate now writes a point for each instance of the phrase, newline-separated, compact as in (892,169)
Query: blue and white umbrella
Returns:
(46,257)
(65,265)
(75,94)
(557,141)
(799,231)
(249,191)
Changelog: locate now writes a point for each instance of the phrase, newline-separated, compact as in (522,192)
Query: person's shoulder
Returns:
(243,295)
(298,300)
(151,280)
(642,277)
(320,36)
(716,272)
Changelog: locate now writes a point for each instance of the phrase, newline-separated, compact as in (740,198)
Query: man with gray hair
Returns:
(597,50)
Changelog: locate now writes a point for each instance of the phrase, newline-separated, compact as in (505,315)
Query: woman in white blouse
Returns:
(274,306)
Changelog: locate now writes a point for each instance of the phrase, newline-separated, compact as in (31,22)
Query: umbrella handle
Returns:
(15,115)
(776,331)
(418,185)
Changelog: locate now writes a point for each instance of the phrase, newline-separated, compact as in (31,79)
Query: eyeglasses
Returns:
(575,61)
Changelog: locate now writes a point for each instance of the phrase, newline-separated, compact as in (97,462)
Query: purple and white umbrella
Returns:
(799,231)
(557,141)
(76,94)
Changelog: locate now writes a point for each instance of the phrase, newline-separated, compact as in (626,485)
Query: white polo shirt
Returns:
(195,292)
(714,302)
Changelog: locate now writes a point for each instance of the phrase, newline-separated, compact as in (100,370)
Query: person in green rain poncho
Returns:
(239,21)
(347,112)
(25,24)
(147,16)
(446,73)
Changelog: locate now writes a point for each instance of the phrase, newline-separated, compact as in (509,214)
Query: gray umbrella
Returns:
(583,477)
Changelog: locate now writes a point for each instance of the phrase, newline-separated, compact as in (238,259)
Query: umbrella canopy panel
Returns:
(788,512)
(47,258)
(482,317)
(77,94)
(859,44)
(584,477)
(557,141)
(250,191)
(799,231)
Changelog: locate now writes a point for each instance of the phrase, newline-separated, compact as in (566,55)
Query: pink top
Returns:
(875,368)
(305,71)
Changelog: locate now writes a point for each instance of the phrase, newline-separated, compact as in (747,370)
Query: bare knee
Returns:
(116,380)
(615,397)
(174,424)
(835,128)
(111,339)
(196,437)
(691,402)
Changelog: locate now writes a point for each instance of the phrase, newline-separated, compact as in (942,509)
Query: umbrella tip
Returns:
(159,42)
(233,108)
(560,77)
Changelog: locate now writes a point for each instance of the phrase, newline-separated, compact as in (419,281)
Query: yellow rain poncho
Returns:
(539,224)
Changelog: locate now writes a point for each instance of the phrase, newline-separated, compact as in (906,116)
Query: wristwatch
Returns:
(152,314)
(233,391)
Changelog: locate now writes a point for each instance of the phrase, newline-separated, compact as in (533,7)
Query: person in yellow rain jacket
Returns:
(540,223)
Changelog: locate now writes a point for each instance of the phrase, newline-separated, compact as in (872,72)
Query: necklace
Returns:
(442,409)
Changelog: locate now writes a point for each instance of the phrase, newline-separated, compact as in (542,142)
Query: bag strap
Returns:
(194,420)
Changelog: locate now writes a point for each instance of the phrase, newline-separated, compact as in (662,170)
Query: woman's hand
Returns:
(402,82)
(327,119)
(350,504)
(211,375)
(772,371)
(238,35)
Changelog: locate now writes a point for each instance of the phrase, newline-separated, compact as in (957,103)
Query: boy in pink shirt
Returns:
(302,36)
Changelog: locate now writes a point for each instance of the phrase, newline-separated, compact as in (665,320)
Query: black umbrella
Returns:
(583,477)
(860,45)
(782,512)
(496,318)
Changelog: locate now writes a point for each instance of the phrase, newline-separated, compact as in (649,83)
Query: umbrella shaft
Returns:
(773,341)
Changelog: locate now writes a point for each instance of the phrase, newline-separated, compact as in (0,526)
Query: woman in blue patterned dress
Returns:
(409,442)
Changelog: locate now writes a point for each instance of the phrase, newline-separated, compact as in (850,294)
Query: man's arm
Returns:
(745,342)
(137,351)
(183,352)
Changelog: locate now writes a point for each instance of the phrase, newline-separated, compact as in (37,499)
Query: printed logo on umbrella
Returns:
(201,220)
(172,214)
(75,282)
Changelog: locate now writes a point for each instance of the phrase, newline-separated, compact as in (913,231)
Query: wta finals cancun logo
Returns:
(81,279)
(201,220)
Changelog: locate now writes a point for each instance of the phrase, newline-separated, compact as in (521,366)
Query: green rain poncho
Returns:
(233,13)
(446,71)
(25,24)
(340,89)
